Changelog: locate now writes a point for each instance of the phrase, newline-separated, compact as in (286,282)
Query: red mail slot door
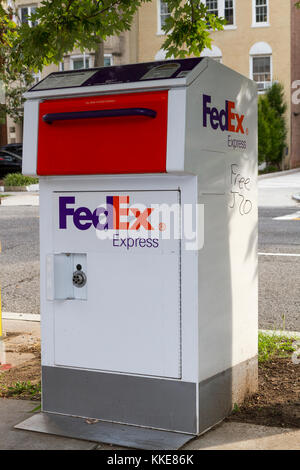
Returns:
(124,133)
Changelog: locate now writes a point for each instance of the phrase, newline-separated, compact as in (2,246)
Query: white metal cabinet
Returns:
(128,323)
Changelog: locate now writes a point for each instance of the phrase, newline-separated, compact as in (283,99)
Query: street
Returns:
(279,275)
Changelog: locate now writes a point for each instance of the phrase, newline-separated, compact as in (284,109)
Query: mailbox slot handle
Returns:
(103,113)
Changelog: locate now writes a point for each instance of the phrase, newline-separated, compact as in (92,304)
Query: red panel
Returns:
(135,144)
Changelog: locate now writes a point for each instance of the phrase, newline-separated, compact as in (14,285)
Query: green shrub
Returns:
(272,345)
(269,169)
(272,129)
(17,179)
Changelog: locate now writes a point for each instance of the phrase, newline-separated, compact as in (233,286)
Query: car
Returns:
(9,163)
(13,148)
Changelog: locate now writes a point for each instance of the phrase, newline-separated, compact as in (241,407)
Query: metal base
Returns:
(104,432)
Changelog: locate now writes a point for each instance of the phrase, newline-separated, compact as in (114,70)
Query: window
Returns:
(261,72)
(163,14)
(224,9)
(212,6)
(80,62)
(261,65)
(36,77)
(108,60)
(260,13)
(25,13)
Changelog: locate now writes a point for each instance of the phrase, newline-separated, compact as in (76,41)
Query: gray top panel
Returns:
(158,70)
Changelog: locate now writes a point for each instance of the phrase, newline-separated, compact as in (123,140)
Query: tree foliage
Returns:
(272,126)
(62,26)
(16,77)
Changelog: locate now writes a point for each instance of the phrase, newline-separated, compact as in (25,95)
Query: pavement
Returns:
(279,269)
(274,192)
(20,265)
(19,199)
(283,182)
(224,436)
(277,191)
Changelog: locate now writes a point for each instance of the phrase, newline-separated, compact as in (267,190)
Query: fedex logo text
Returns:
(226,119)
(104,218)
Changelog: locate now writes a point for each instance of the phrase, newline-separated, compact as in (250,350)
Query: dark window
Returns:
(25,13)
(212,6)
(229,11)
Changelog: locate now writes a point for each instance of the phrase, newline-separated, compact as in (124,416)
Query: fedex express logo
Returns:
(226,119)
(110,217)
(135,225)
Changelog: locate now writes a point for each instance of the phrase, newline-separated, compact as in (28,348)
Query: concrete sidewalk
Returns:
(226,436)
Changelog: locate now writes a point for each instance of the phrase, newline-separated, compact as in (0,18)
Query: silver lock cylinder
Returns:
(79,278)
(67,276)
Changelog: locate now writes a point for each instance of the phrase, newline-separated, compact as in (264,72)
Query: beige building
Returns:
(259,41)
(117,50)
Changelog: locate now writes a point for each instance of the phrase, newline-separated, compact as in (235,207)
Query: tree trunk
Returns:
(99,55)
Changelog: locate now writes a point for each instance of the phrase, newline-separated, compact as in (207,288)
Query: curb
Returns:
(37,318)
(278,173)
(288,333)
(296,197)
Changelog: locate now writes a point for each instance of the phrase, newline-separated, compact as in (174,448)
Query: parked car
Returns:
(13,148)
(9,163)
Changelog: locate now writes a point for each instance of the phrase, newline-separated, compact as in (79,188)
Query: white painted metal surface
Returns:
(130,321)
(50,187)
(30,138)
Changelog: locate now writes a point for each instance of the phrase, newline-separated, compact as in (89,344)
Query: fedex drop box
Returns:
(148,241)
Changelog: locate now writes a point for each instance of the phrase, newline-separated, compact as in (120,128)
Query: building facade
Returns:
(117,50)
(260,40)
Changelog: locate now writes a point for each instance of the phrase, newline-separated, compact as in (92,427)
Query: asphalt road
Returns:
(279,276)
(19,260)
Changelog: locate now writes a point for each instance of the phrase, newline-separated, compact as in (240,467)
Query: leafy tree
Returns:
(275,96)
(264,133)
(62,26)
(16,79)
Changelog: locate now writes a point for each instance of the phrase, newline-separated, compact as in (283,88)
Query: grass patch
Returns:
(270,346)
(17,179)
(22,390)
